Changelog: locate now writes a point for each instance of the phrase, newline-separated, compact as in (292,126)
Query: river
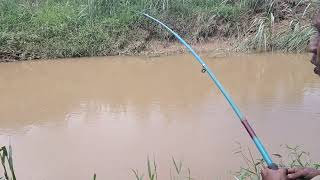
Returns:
(71,118)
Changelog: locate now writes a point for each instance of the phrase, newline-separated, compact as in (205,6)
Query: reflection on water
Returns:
(73,118)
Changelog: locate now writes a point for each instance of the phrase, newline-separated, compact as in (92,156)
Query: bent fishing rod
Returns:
(245,123)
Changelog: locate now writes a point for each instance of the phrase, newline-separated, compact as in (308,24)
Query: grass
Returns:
(282,26)
(296,157)
(251,171)
(178,172)
(33,29)
(7,163)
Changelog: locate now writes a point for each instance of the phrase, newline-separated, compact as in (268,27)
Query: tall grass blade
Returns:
(136,174)
(151,172)
(178,166)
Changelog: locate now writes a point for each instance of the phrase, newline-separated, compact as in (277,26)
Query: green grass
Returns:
(32,29)
(281,26)
(7,163)
(177,171)
(295,157)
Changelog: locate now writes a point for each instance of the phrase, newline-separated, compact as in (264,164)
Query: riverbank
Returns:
(213,46)
(155,48)
(61,29)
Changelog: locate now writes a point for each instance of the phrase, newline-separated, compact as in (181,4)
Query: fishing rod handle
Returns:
(264,153)
(273,166)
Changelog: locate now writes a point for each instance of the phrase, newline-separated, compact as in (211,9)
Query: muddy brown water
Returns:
(68,119)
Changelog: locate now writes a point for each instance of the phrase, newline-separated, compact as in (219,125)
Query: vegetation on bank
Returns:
(294,158)
(31,29)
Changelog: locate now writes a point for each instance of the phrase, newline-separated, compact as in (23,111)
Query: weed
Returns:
(296,157)
(7,163)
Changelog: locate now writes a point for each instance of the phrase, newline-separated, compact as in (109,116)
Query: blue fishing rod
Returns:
(245,123)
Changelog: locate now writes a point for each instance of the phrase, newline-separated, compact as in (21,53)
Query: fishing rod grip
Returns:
(273,166)
(264,153)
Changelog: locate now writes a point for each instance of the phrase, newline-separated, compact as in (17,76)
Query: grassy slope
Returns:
(74,28)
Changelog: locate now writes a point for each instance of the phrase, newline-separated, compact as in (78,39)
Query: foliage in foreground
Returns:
(251,171)
(296,158)
(73,28)
(178,172)
(7,163)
